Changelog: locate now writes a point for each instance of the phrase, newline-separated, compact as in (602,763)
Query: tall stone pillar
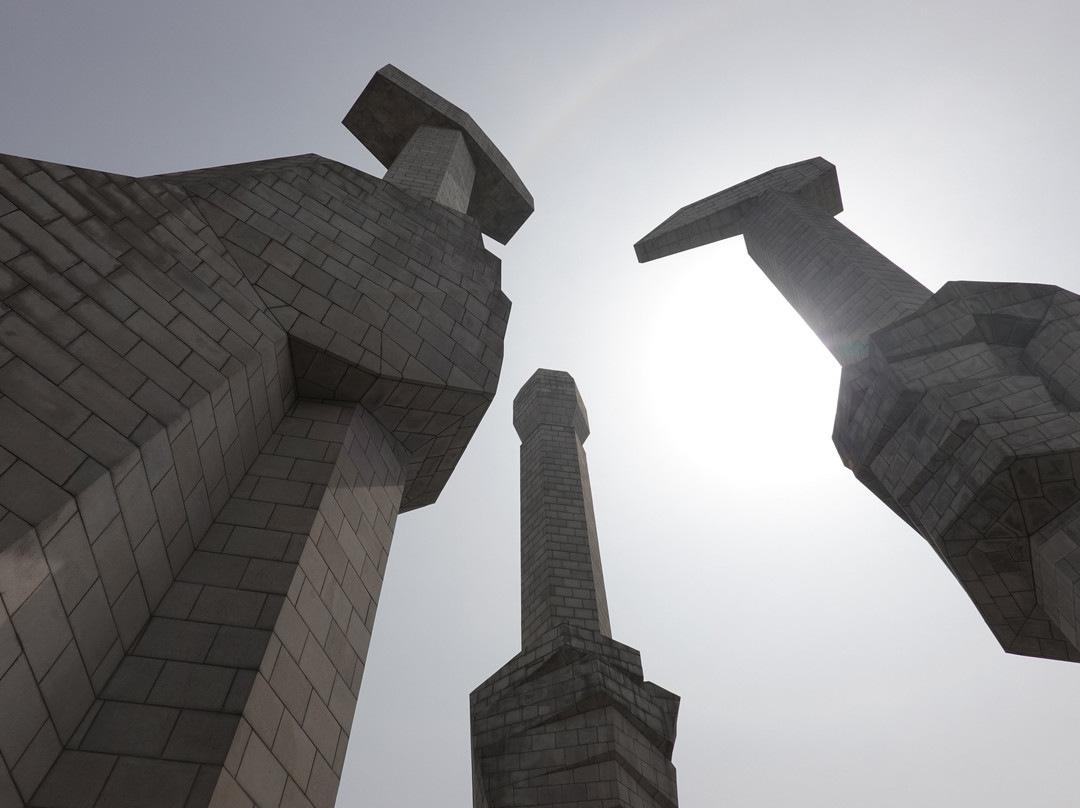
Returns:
(569,721)
(960,410)
(562,580)
(218,390)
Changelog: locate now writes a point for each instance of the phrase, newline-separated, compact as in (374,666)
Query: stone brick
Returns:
(24,711)
(67,692)
(42,627)
(261,775)
(201,737)
(130,729)
(75,781)
(140,781)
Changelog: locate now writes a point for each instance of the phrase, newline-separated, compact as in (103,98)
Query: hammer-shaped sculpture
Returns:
(957,409)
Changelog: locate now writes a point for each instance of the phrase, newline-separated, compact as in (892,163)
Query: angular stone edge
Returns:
(720,216)
(394,105)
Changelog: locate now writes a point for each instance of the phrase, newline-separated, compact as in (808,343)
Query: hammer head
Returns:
(720,216)
(393,106)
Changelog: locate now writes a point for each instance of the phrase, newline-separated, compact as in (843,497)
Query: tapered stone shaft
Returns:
(562,580)
(842,287)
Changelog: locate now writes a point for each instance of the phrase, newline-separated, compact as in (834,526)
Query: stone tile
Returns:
(268,576)
(42,627)
(67,692)
(246,512)
(202,737)
(124,728)
(215,569)
(115,560)
(37,760)
(340,652)
(178,601)
(193,686)
(72,562)
(291,629)
(203,791)
(258,543)
(93,626)
(314,612)
(133,679)
(291,685)
(323,784)
(230,607)
(294,749)
(342,703)
(10,649)
(98,506)
(169,505)
(37,444)
(131,612)
(261,775)
(139,781)
(155,571)
(263,709)
(238,694)
(30,495)
(136,503)
(75,781)
(294,797)
(177,639)
(321,727)
(24,566)
(239,647)
(23,710)
(318,668)
(228,794)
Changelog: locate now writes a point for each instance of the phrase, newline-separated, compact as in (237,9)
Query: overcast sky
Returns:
(823,654)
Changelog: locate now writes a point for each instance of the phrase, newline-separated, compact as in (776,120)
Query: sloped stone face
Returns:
(570,722)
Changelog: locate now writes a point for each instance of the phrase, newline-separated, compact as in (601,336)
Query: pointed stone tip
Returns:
(720,216)
(550,397)
(394,105)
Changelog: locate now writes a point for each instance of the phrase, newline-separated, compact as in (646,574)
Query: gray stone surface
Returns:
(570,720)
(217,391)
(959,410)
(393,106)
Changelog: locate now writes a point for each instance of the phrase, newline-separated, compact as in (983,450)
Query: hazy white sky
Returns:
(824,656)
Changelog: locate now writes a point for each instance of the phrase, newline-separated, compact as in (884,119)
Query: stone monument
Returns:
(960,410)
(218,389)
(569,721)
